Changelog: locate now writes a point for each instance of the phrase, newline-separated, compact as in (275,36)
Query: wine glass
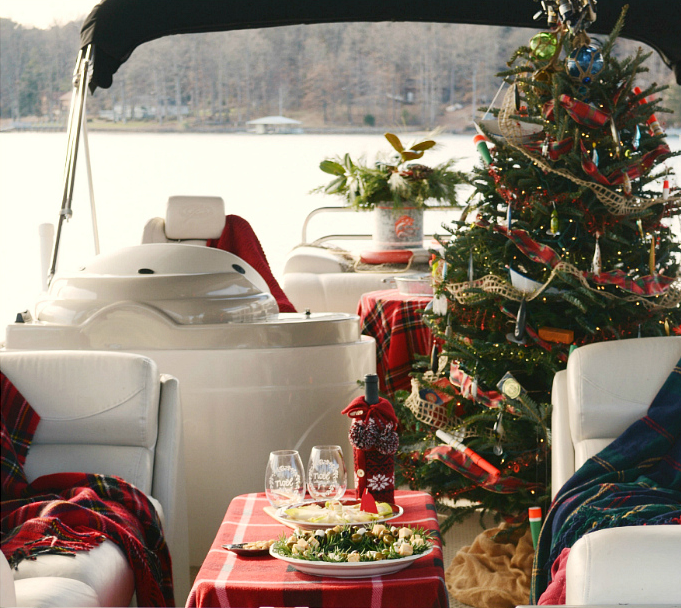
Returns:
(284,478)
(327,477)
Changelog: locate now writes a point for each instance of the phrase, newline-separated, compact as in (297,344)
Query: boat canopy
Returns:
(117,27)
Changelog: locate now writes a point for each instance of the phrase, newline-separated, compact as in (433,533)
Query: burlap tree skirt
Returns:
(493,573)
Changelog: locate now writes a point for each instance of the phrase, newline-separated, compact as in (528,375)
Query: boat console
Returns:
(251,379)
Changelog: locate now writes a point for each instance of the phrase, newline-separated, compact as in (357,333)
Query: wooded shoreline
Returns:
(328,76)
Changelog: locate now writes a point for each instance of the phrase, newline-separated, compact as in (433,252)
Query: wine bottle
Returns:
(371,389)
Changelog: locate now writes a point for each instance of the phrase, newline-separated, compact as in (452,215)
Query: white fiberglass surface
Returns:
(266,179)
(168,259)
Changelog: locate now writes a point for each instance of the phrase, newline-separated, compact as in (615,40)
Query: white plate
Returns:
(350,569)
(281,517)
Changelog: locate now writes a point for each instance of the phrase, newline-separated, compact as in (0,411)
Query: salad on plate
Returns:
(350,544)
(334,512)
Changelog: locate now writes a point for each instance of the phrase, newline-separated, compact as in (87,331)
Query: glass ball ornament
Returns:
(584,63)
(544,45)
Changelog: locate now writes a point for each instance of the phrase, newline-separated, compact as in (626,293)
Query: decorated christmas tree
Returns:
(566,241)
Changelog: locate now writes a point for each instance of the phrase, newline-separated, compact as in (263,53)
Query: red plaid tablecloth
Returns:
(226,579)
(394,320)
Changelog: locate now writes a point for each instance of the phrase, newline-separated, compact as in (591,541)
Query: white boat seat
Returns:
(598,397)
(325,281)
(110,413)
(606,387)
(192,220)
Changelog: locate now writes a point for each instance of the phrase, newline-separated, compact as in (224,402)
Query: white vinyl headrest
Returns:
(195,217)
(611,384)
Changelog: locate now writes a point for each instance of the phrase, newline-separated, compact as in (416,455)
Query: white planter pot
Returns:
(397,228)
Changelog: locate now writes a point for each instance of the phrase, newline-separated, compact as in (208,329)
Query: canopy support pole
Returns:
(76,112)
(93,208)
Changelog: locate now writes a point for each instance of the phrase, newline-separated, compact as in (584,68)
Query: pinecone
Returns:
(419,172)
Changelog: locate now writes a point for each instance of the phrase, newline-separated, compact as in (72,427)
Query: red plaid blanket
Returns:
(239,238)
(394,320)
(226,579)
(67,512)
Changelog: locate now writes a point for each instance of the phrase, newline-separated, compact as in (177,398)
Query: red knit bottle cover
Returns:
(375,472)
(374,438)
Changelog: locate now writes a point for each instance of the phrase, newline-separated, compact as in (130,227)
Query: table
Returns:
(394,321)
(226,579)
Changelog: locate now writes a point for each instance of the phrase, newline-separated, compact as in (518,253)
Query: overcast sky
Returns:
(44,13)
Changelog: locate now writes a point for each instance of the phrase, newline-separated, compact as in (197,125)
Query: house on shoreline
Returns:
(275,124)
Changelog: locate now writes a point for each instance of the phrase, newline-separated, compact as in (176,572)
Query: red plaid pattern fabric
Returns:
(226,579)
(239,238)
(555,149)
(19,423)
(460,462)
(394,321)
(584,113)
(67,512)
(633,171)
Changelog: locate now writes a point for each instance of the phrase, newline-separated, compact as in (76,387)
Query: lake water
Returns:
(264,178)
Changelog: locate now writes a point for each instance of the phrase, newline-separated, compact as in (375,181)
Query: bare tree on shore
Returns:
(328,75)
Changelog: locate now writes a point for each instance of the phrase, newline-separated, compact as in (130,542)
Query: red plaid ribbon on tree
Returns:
(555,149)
(460,462)
(650,285)
(537,252)
(461,380)
(633,171)
(584,113)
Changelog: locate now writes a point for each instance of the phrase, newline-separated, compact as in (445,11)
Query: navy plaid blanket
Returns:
(636,480)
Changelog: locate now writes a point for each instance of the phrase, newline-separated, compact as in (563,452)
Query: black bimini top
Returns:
(117,27)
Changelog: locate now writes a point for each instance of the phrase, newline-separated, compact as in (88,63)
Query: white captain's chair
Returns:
(189,219)
(108,413)
(606,388)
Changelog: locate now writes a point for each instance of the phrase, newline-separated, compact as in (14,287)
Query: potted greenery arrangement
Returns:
(396,189)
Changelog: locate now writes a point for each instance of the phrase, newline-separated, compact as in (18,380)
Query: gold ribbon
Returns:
(616,203)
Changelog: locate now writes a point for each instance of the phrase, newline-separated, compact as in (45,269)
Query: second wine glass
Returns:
(327,477)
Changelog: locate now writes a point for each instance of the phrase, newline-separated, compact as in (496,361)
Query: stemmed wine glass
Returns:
(284,478)
(327,477)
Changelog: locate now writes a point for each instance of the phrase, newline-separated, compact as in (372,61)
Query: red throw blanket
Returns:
(67,512)
(239,238)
